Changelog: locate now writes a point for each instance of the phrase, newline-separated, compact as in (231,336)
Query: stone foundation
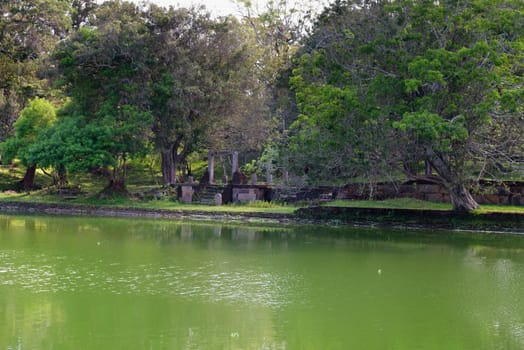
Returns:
(508,193)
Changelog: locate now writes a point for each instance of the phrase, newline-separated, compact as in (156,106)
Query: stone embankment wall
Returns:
(507,193)
(433,219)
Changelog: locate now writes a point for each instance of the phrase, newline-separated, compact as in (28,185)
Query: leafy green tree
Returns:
(76,144)
(80,12)
(29,30)
(335,136)
(247,122)
(438,76)
(104,73)
(275,31)
(34,120)
(272,34)
(196,83)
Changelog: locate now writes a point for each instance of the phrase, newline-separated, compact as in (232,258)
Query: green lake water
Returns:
(92,283)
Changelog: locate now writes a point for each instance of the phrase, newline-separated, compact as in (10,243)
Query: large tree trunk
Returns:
(168,168)
(60,177)
(176,160)
(428,168)
(28,182)
(116,186)
(461,199)
(117,178)
(117,183)
(171,157)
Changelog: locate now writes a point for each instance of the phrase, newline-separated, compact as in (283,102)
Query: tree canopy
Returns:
(370,90)
(29,31)
(195,83)
(103,71)
(386,83)
(34,120)
(172,78)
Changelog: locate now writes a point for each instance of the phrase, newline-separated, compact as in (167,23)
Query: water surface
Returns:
(80,283)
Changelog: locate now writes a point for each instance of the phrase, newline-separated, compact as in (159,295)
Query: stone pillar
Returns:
(235,162)
(187,194)
(218,199)
(269,176)
(253,179)
(285,175)
(211,167)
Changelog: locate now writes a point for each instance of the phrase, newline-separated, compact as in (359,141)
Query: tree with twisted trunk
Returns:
(398,82)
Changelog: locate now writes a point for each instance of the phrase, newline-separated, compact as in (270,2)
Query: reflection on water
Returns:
(151,284)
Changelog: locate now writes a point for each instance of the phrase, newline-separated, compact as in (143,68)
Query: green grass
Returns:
(397,203)
(254,207)
(164,204)
(416,204)
(228,208)
(491,208)
(141,179)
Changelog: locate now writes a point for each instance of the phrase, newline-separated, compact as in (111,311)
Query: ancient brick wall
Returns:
(508,193)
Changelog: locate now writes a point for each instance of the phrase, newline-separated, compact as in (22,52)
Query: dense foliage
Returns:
(29,31)
(33,121)
(143,78)
(384,85)
(379,90)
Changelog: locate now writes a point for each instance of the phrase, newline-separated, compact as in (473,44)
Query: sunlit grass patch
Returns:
(416,204)
(491,208)
(395,203)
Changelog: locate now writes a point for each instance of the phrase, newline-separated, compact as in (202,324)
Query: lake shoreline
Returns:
(61,209)
(511,223)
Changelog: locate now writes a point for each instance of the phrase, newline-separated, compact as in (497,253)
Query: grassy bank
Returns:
(391,213)
(396,212)
(415,204)
(90,199)
(41,197)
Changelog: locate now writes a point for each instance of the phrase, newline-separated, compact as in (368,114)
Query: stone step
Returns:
(207,195)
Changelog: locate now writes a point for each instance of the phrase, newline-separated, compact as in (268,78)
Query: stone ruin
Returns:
(237,177)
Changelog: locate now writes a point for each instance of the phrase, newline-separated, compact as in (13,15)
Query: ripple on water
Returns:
(45,274)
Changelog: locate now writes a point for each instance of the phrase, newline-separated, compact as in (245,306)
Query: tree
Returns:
(457,88)
(76,144)
(439,76)
(29,31)
(80,12)
(34,120)
(104,73)
(276,29)
(336,136)
(195,81)
(275,32)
